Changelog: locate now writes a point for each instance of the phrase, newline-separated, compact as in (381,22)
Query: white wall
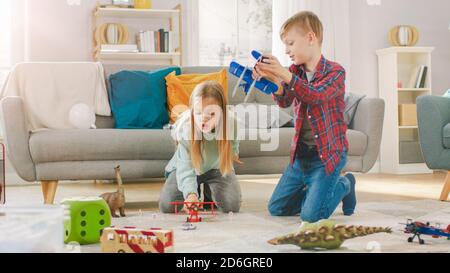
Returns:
(59,32)
(51,30)
(369,31)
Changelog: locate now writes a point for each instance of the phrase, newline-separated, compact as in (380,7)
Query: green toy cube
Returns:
(88,217)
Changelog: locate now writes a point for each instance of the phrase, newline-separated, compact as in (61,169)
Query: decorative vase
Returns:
(404,36)
(142,4)
(112,34)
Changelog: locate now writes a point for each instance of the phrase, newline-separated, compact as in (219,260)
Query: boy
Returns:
(311,185)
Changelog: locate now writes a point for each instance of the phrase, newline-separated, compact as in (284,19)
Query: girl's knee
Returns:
(234,208)
(166,198)
(166,207)
(230,205)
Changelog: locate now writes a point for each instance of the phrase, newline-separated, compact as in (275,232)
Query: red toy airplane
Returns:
(418,228)
(195,209)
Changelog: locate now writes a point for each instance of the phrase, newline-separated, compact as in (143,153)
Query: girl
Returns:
(205,154)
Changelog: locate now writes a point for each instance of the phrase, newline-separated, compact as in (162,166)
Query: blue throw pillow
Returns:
(139,98)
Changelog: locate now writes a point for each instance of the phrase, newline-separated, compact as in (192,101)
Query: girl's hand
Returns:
(192,198)
(237,160)
(272,66)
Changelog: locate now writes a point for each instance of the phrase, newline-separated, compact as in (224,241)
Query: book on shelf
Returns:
(413,78)
(114,48)
(418,77)
(139,41)
(159,41)
(423,77)
(166,42)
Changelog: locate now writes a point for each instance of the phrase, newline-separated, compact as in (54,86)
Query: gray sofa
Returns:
(57,155)
(434,130)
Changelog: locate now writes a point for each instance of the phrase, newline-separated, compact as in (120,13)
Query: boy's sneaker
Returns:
(349,202)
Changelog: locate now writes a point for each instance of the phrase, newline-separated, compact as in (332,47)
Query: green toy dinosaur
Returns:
(325,234)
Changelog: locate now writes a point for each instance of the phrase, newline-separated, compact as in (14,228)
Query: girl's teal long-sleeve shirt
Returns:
(181,162)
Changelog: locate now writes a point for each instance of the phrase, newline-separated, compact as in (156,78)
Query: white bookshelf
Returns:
(142,17)
(414,90)
(141,58)
(398,64)
(136,13)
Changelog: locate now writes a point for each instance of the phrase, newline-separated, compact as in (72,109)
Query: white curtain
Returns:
(190,32)
(12,29)
(5,30)
(335,17)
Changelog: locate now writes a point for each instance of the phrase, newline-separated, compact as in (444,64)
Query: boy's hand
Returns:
(257,74)
(272,66)
(192,198)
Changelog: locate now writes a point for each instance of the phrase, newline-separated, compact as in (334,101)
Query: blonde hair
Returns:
(214,90)
(307,21)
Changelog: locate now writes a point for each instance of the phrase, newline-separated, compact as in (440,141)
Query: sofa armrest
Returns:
(369,119)
(16,137)
(433,114)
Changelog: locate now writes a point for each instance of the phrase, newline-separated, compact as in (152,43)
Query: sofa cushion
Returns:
(358,142)
(447,94)
(112,144)
(101,145)
(232,81)
(138,98)
(447,136)
(256,139)
(268,116)
(351,105)
(180,88)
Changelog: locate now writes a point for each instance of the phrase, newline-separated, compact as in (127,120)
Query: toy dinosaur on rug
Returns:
(325,234)
(116,200)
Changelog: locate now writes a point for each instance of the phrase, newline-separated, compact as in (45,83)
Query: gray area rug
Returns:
(249,232)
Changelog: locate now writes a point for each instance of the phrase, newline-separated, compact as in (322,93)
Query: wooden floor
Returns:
(256,190)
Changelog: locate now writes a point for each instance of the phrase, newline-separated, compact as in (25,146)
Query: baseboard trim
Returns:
(376,168)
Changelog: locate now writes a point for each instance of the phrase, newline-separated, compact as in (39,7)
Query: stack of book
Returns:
(419,77)
(160,41)
(127,48)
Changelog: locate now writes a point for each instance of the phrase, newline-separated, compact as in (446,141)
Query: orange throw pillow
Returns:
(180,88)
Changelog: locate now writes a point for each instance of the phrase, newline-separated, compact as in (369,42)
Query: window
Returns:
(232,29)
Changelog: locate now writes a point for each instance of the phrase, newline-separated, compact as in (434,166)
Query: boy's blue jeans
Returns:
(306,189)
